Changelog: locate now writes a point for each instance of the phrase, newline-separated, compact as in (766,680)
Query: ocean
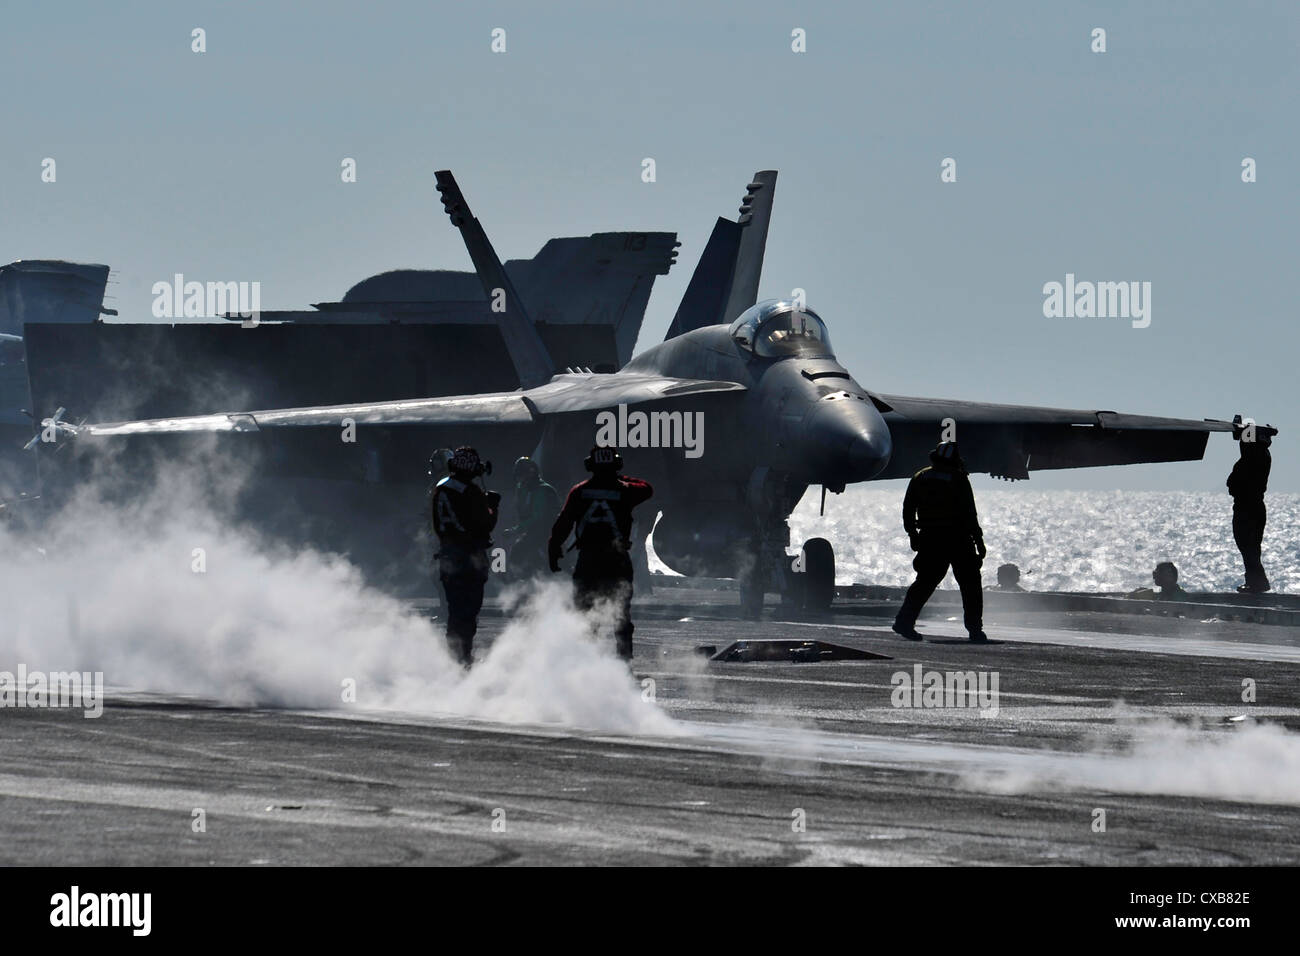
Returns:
(1063,540)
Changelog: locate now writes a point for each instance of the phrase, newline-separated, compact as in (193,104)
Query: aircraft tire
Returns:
(818,574)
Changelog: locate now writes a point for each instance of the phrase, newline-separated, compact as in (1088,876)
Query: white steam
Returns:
(165,595)
(1256,763)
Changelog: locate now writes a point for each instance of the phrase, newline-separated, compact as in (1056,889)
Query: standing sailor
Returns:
(464,515)
(942,525)
(1247,484)
(599,513)
(537,502)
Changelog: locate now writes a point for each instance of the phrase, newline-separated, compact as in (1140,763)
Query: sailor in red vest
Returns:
(598,512)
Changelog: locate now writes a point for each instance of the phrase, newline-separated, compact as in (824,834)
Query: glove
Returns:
(981,552)
(555,563)
(915,541)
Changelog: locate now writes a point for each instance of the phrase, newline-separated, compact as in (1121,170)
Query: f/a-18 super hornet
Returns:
(733,416)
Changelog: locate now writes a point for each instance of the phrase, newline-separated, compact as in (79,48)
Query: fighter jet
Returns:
(733,417)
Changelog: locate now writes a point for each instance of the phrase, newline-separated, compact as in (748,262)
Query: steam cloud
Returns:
(109,585)
(1257,763)
(164,594)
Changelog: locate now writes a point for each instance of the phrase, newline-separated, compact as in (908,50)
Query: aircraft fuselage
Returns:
(801,420)
(804,416)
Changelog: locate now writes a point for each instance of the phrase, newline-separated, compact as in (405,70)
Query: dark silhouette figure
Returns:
(536,503)
(1009,578)
(943,527)
(598,512)
(463,518)
(1165,579)
(1247,484)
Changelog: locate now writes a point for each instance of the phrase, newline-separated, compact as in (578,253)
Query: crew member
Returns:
(439,469)
(1247,484)
(941,523)
(464,515)
(1009,578)
(1165,579)
(439,466)
(599,513)
(537,502)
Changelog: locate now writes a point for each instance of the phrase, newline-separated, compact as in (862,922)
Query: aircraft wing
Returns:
(564,393)
(590,392)
(1009,441)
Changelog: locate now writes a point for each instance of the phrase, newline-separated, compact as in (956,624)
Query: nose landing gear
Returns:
(806,583)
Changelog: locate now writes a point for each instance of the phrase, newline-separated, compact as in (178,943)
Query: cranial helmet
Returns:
(603,459)
(526,470)
(440,462)
(465,461)
(945,455)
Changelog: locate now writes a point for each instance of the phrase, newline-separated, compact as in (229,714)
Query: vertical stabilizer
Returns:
(531,360)
(755,215)
(706,295)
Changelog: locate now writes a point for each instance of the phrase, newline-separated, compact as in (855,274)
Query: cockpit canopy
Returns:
(777,329)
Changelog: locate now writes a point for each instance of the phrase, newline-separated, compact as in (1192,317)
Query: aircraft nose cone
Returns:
(868,454)
(852,444)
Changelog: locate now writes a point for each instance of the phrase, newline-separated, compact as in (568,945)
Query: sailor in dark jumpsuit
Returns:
(1247,484)
(599,513)
(943,527)
(463,518)
(537,502)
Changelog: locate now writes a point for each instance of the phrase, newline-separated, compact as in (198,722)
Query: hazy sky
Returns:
(1123,165)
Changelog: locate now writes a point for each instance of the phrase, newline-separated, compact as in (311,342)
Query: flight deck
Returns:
(1106,739)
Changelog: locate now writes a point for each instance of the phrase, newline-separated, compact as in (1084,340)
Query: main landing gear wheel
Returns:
(818,574)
